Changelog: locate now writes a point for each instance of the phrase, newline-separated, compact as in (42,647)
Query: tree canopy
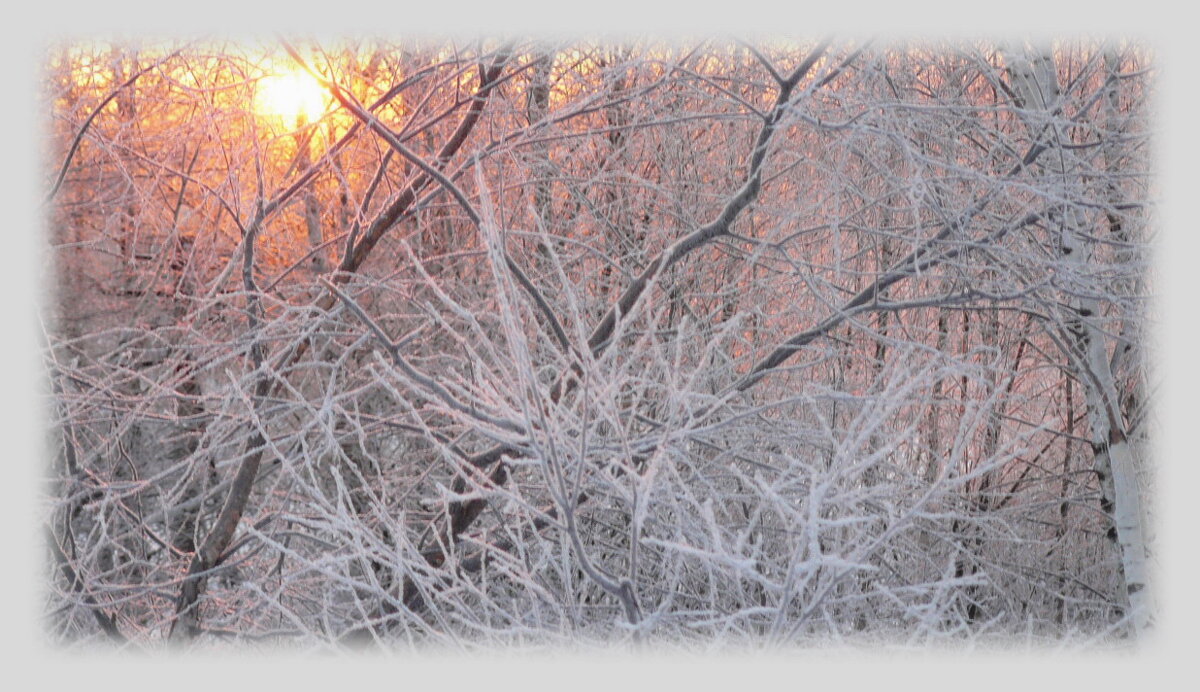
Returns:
(522,342)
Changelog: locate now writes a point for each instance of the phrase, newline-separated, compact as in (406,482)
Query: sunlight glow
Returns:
(292,95)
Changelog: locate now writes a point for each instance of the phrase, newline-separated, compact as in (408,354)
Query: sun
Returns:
(291,95)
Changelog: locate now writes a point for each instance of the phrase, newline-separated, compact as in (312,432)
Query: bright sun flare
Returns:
(292,95)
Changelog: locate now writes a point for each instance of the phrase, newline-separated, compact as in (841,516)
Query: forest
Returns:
(517,342)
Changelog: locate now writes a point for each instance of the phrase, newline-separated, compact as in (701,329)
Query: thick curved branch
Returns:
(351,104)
(66,164)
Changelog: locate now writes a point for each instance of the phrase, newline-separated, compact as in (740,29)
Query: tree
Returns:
(531,341)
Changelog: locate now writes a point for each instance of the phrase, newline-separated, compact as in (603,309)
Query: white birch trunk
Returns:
(1035,81)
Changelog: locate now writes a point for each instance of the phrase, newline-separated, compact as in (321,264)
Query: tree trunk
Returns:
(1035,81)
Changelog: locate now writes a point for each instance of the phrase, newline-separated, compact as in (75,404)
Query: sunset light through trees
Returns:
(293,96)
(529,343)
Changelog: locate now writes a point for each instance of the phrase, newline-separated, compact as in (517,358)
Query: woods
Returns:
(523,342)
